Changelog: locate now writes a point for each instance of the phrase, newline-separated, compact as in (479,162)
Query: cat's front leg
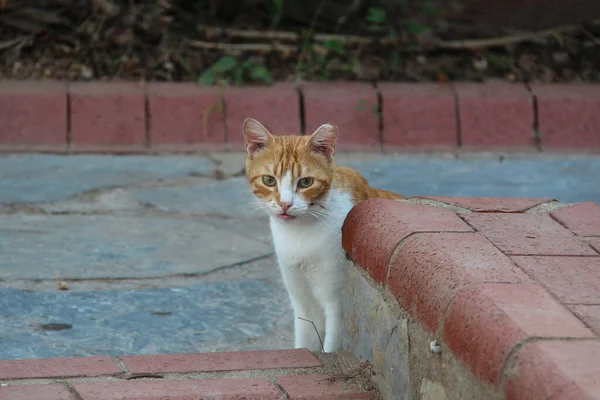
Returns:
(306,310)
(329,297)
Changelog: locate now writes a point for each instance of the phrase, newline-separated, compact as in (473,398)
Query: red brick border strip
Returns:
(500,281)
(250,375)
(184,117)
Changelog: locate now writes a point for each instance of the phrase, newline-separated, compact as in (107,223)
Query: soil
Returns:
(170,40)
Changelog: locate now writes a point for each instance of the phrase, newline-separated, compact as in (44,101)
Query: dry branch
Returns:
(364,40)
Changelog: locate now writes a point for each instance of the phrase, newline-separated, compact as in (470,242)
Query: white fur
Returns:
(312,262)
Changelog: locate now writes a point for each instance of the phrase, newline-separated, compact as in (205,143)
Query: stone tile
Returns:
(418,115)
(490,204)
(485,322)
(221,361)
(374,228)
(573,280)
(321,387)
(568,116)
(104,246)
(199,318)
(350,106)
(431,268)
(33,114)
(56,367)
(37,392)
(582,219)
(551,369)
(528,234)
(495,115)
(184,114)
(37,178)
(589,314)
(226,389)
(277,107)
(107,114)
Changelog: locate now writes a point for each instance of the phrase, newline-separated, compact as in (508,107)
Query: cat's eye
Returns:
(306,182)
(269,180)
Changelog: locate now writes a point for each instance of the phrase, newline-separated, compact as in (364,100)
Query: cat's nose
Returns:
(285,206)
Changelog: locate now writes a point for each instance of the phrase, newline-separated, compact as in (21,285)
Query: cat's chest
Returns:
(315,238)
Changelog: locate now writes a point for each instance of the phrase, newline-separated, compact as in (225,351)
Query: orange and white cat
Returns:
(307,197)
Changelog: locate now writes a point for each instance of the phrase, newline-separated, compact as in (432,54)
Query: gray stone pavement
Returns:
(164,254)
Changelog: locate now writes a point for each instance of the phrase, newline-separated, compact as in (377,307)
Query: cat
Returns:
(307,198)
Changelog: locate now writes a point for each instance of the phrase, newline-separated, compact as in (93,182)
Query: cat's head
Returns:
(291,176)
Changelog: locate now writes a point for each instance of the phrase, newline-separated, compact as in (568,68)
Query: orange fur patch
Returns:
(296,155)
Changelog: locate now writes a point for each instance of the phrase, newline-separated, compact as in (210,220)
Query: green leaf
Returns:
(376,15)
(238,76)
(396,59)
(335,45)
(429,8)
(416,28)
(261,73)
(225,64)
(208,77)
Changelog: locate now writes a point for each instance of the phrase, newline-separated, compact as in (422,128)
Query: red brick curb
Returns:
(251,375)
(124,117)
(509,288)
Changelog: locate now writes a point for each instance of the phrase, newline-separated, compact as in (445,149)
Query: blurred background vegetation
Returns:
(262,41)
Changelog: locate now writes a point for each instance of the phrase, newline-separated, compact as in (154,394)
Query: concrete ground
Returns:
(163,254)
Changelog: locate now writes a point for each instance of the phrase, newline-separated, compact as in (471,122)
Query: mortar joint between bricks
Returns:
(301,109)
(380,122)
(72,390)
(459,141)
(122,366)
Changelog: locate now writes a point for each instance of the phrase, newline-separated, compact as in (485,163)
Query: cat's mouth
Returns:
(285,216)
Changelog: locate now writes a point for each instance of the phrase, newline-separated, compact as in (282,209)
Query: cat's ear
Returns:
(324,139)
(256,135)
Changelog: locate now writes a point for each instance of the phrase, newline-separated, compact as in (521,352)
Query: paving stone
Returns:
(59,367)
(100,246)
(573,280)
(36,178)
(528,234)
(221,361)
(564,179)
(37,392)
(226,389)
(146,321)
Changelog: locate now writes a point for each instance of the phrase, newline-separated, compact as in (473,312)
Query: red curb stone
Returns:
(107,114)
(277,107)
(490,204)
(416,115)
(568,115)
(224,361)
(320,387)
(555,370)
(33,113)
(349,106)
(485,322)
(528,234)
(595,243)
(495,115)
(589,314)
(573,280)
(36,392)
(225,389)
(58,367)
(431,268)
(178,112)
(583,219)
(373,229)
